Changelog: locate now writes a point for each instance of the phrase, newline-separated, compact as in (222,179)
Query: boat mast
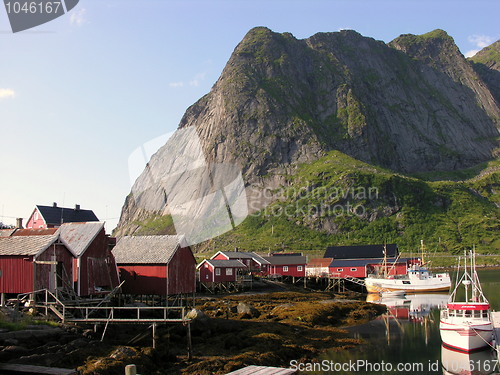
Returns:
(423,253)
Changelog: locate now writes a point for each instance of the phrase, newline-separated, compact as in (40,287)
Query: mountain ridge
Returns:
(413,105)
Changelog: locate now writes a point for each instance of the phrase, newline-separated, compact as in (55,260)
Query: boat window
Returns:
(468,313)
(406,282)
(485,314)
(452,312)
(477,314)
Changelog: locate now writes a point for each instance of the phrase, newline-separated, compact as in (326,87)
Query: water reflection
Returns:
(412,307)
(457,363)
(409,335)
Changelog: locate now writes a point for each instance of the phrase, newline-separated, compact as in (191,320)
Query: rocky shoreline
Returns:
(228,333)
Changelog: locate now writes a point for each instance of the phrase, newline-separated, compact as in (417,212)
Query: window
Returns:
(217,272)
(299,268)
(340,269)
(229,271)
(285,268)
(354,269)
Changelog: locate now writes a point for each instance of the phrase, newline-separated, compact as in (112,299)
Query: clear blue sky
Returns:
(80,93)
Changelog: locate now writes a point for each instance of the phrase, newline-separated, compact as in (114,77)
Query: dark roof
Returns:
(225,263)
(361,251)
(58,215)
(243,255)
(285,260)
(286,255)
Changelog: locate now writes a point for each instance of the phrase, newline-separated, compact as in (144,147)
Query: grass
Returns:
(23,322)
(338,200)
(448,215)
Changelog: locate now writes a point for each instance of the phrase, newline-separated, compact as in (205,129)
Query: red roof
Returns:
(35,232)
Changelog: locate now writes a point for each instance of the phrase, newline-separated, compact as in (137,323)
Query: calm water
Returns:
(407,341)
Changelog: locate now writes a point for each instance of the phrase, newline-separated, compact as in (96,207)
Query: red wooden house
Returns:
(94,267)
(54,216)
(287,265)
(219,270)
(30,263)
(160,265)
(361,260)
(254,262)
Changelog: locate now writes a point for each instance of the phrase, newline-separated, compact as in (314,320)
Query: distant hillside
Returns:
(342,111)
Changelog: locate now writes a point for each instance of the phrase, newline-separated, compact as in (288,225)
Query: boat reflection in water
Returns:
(412,307)
(460,363)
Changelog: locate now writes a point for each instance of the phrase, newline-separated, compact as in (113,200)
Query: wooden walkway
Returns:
(12,368)
(262,370)
(496,326)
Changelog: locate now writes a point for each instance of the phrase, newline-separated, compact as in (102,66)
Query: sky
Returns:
(80,93)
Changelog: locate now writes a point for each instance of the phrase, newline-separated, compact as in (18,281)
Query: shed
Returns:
(318,267)
(361,268)
(253,261)
(219,270)
(94,267)
(29,263)
(287,265)
(54,216)
(161,265)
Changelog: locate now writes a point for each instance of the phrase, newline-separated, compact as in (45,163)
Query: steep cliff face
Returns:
(413,105)
(487,65)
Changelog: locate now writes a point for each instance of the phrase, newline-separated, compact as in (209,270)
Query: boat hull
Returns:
(380,285)
(466,338)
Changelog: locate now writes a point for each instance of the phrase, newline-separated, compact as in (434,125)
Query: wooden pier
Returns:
(263,370)
(12,368)
(496,330)
(81,313)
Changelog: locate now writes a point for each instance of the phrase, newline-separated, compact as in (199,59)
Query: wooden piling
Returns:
(154,335)
(130,370)
(189,345)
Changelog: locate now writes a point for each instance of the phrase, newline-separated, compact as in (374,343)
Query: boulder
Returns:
(247,311)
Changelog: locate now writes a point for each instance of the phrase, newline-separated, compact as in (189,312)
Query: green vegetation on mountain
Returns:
(359,142)
(338,200)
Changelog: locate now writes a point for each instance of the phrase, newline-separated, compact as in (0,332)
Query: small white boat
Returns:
(466,325)
(418,279)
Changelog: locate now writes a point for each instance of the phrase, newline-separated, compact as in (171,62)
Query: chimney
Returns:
(77,207)
(19,223)
(54,204)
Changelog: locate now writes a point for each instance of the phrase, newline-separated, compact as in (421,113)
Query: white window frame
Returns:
(229,272)
(217,271)
(299,268)
(340,269)
(285,268)
(354,269)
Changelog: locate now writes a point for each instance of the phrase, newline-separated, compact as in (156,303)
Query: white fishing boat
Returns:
(466,324)
(418,279)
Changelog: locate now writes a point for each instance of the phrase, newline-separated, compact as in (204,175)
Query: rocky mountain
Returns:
(487,65)
(412,105)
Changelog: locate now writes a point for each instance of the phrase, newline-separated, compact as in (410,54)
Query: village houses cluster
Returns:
(67,250)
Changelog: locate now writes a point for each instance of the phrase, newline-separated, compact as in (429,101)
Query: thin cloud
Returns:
(7,93)
(78,17)
(194,82)
(176,84)
(480,41)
